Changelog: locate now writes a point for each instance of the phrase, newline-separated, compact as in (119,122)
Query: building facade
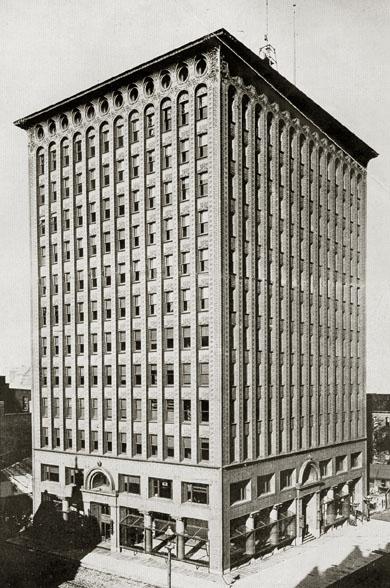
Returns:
(198,238)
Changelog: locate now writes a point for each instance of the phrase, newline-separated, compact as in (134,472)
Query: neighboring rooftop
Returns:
(257,66)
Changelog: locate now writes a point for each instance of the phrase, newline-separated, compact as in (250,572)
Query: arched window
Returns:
(258,122)
(166,115)
(182,73)
(201,102)
(91,143)
(64,122)
(52,157)
(148,86)
(182,110)
(118,99)
(149,121)
(200,65)
(245,113)
(40,162)
(134,127)
(77,116)
(119,130)
(104,138)
(104,105)
(65,153)
(165,80)
(52,127)
(77,150)
(100,480)
(40,132)
(90,112)
(133,93)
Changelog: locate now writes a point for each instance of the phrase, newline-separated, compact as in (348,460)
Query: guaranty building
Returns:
(198,243)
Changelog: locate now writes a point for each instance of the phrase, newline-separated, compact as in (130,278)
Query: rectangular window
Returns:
(160,488)
(201,145)
(169,446)
(166,158)
(169,338)
(167,193)
(122,409)
(94,441)
(185,300)
(240,491)
(120,171)
(203,336)
(184,226)
(129,484)
(204,449)
(204,411)
(186,447)
(265,484)
(168,265)
(122,375)
(203,259)
(203,298)
(185,262)
(108,441)
(186,337)
(137,444)
(169,410)
(184,187)
(184,150)
(169,374)
(195,492)
(202,184)
(152,304)
(137,378)
(168,302)
(94,408)
(108,409)
(203,222)
(50,473)
(152,374)
(152,339)
(287,478)
(341,463)
(137,409)
(168,229)
(203,374)
(186,411)
(356,460)
(185,374)
(153,447)
(134,166)
(150,161)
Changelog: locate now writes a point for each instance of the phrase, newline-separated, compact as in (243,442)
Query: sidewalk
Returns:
(315,564)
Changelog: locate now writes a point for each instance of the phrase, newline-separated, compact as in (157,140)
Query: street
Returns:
(23,568)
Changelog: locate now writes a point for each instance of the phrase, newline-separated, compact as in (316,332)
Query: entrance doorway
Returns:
(102,514)
(309,513)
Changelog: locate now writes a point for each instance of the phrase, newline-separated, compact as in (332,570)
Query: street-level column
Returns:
(346,506)
(330,507)
(299,520)
(180,529)
(114,528)
(148,532)
(273,516)
(65,509)
(250,535)
(317,530)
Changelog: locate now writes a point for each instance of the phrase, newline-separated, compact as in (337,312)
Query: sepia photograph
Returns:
(195,294)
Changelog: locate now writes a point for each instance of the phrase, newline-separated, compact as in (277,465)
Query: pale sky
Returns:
(50,49)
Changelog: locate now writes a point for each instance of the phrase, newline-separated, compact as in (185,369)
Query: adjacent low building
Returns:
(15,424)
(198,242)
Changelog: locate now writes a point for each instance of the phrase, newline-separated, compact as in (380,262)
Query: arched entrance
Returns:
(309,478)
(100,484)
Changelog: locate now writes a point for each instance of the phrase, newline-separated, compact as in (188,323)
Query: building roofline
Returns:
(345,138)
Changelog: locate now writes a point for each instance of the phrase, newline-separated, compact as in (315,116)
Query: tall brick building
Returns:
(198,238)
